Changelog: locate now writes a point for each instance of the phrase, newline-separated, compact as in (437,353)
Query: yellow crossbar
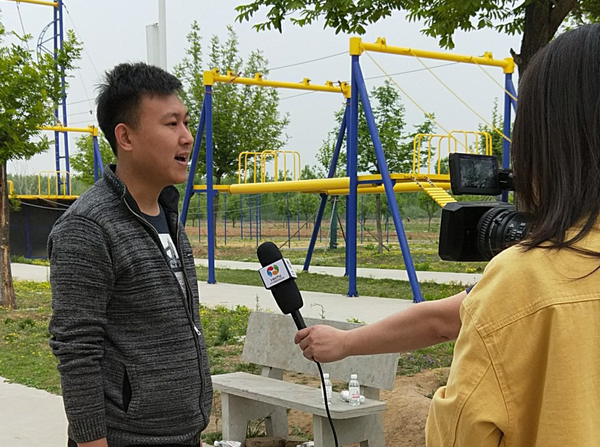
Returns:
(213,76)
(37,2)
(357,46)
(92,130)
(337,186)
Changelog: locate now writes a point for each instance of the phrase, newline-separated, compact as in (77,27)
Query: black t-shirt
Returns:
(162,228)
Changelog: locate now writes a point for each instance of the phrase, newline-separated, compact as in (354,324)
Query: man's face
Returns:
(161,141)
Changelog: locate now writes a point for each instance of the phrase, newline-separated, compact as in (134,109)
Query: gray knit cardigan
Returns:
(132,358)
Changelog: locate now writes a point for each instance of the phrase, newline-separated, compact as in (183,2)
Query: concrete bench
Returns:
(270,343)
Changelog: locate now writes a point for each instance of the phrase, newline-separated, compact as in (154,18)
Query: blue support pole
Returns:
(210,233)
(225,219)
(241,218)
(287,214)
(98,168)
(506,128)
(64,101)
(323,203)
(357,78)
(250,215)
(510,87)
(189,186)
(56,110)
(351,173)
(297,217)
(257,217)
(362,217)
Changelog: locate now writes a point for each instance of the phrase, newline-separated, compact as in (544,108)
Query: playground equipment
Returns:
(60,112)
(31,224)
(353,184)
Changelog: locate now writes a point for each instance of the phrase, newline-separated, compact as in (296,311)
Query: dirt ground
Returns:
(404,419)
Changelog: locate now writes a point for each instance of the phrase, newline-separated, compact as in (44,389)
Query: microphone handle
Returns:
(297,316)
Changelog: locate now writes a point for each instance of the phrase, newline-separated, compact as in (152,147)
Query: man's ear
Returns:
(123,137)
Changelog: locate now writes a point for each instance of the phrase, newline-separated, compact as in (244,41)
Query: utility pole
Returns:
(156,38)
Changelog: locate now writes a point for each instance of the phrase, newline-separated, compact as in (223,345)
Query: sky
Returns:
(114,31)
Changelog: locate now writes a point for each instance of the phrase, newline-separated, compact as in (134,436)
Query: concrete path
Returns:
(29,272)
(316,305)
(30,417)
(437,277)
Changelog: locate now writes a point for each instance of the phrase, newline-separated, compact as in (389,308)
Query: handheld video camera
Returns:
(477,231)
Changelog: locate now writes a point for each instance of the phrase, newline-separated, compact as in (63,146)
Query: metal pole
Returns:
(287,214)
(388,186)
(162,34)
(257,217)
(98,168)
(64,100)
(362,217)
(189,186)
(198,216)
(298,216)
(210,239)
(506,129)
(351,173)
(250,214)
(241,201)
(56,109)
(225,219)
(323,203)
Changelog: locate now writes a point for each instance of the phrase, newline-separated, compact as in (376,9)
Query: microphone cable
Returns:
(324,388)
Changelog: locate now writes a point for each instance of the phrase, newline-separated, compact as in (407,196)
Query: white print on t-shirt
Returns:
(173,257)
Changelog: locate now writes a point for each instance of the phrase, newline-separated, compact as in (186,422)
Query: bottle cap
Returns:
(353,376)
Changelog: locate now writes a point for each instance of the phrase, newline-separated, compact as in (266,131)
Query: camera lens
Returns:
(499,228)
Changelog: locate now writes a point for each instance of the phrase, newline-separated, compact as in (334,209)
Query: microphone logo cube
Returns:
(275,273)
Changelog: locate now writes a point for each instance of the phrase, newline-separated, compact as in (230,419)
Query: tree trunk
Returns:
(7,293)
(378,223)
(542,20)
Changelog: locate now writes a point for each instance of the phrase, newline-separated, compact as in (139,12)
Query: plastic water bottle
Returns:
(354,390)
(328,389)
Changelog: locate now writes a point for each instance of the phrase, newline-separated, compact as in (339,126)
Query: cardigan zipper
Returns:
(188,300)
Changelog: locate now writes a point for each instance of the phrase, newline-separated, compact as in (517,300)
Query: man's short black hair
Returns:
(120,95)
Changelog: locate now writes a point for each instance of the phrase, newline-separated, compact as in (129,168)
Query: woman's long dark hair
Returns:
(556,141)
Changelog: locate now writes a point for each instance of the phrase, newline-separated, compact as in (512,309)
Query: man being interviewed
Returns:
(125,325)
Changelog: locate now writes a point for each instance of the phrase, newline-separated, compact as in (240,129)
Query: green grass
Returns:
(313,282)
(24,260)
(426,358)
(25,356)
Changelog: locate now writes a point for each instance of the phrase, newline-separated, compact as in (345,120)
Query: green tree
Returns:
(244,118)
(83,161)
(29,90)
(536,20)
(496,137)
(427,204)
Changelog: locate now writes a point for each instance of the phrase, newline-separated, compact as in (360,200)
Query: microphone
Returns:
(278,276)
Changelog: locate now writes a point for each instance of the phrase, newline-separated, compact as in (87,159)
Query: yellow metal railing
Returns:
(467,141)
(55,177)
(259,165)
(10,187)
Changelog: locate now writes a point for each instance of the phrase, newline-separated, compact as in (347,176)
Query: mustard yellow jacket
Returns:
(526,367)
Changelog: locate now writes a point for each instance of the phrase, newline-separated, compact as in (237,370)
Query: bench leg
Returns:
(237,411)
(368,430)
